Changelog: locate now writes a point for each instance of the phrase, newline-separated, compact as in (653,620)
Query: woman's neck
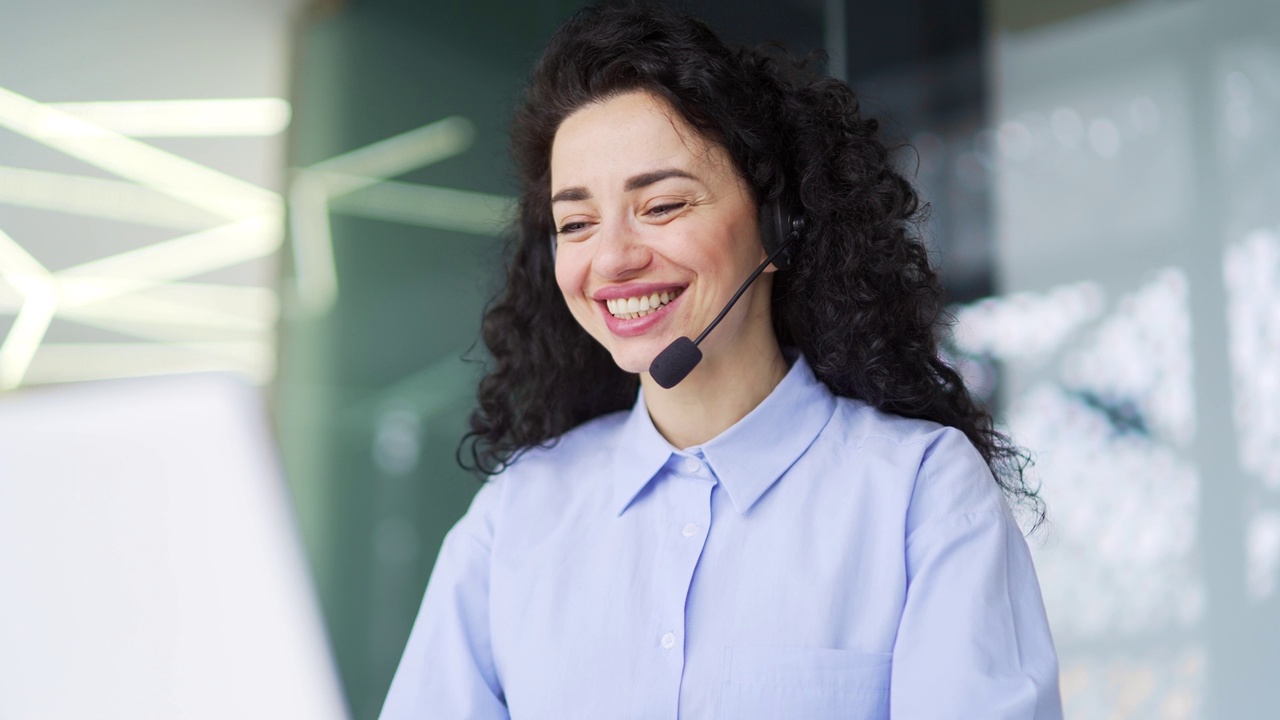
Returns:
(720,391)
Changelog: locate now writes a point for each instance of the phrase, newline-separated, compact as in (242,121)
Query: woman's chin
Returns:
(634,359)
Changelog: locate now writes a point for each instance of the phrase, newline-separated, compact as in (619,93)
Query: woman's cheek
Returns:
(564,277)
(571,281)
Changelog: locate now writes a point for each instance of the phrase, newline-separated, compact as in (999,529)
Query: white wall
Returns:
(1137,157)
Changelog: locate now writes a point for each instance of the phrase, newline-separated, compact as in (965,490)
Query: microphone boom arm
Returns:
(678,359)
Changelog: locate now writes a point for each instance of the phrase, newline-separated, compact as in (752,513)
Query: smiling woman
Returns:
(811,524)
(657,210)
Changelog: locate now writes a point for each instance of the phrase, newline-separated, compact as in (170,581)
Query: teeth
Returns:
(639,306)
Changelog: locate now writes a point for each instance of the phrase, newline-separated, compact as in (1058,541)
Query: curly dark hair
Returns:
(860,300)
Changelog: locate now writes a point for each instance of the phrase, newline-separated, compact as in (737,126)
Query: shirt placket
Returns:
(684,521)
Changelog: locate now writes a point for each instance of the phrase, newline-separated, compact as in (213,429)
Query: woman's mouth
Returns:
(630,308)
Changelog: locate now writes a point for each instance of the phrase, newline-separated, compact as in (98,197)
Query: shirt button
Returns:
(692,464)
(668,640)
(690,530)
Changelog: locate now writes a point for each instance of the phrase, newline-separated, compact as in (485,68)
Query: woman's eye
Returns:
(570,227)
(666,209)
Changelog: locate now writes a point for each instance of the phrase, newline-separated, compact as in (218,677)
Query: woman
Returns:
(807,525)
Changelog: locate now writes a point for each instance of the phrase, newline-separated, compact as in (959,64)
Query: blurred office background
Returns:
(311,194)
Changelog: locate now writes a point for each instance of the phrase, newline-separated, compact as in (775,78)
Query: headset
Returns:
(779,230)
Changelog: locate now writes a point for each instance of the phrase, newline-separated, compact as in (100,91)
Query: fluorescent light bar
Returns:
(251,303)
(96,197)
(315,272)
(248,300)
(174,259)
(15,261)
(10,299)
(161,315)
(189,181)
(197,330)
(430,206)
(185,118)
(32,281)
(139,308)
(396,155)
(69,362)
(24,337)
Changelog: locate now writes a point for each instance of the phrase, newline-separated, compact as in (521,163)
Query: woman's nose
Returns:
(620,252)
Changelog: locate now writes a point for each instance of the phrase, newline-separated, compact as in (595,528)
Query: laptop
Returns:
(150,563)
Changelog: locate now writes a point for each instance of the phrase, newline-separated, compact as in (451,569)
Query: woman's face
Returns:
(656,231)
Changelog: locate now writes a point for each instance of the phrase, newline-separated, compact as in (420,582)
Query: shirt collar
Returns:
(747,458)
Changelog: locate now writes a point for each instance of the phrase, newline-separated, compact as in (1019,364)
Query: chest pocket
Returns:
(761,683)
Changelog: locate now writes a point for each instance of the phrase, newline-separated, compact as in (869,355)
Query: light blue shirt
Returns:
(819,559)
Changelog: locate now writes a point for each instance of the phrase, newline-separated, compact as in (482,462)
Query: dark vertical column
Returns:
(919,65)
(372,397)
(797,25)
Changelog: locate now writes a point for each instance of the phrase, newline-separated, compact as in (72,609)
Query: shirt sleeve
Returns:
(447,670)
(974,640)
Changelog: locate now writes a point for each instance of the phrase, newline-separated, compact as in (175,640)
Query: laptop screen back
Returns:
(150,565)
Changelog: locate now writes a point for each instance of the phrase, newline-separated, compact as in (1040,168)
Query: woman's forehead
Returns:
(626,134)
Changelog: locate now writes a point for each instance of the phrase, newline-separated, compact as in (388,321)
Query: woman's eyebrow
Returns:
(571,194)
(646,179)
(635,182)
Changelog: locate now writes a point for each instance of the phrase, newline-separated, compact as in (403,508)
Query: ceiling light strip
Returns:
(24,337)
(430,206)
(174,259)
(396,155)
(16,262)
(170,174)
(144,309)
(97,197)
(227,117)
(168,333)
(314,267)
(68,362)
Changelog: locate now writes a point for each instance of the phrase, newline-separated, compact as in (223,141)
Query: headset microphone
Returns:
(679,358)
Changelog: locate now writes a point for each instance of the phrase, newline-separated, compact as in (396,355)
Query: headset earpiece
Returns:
(779,227)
